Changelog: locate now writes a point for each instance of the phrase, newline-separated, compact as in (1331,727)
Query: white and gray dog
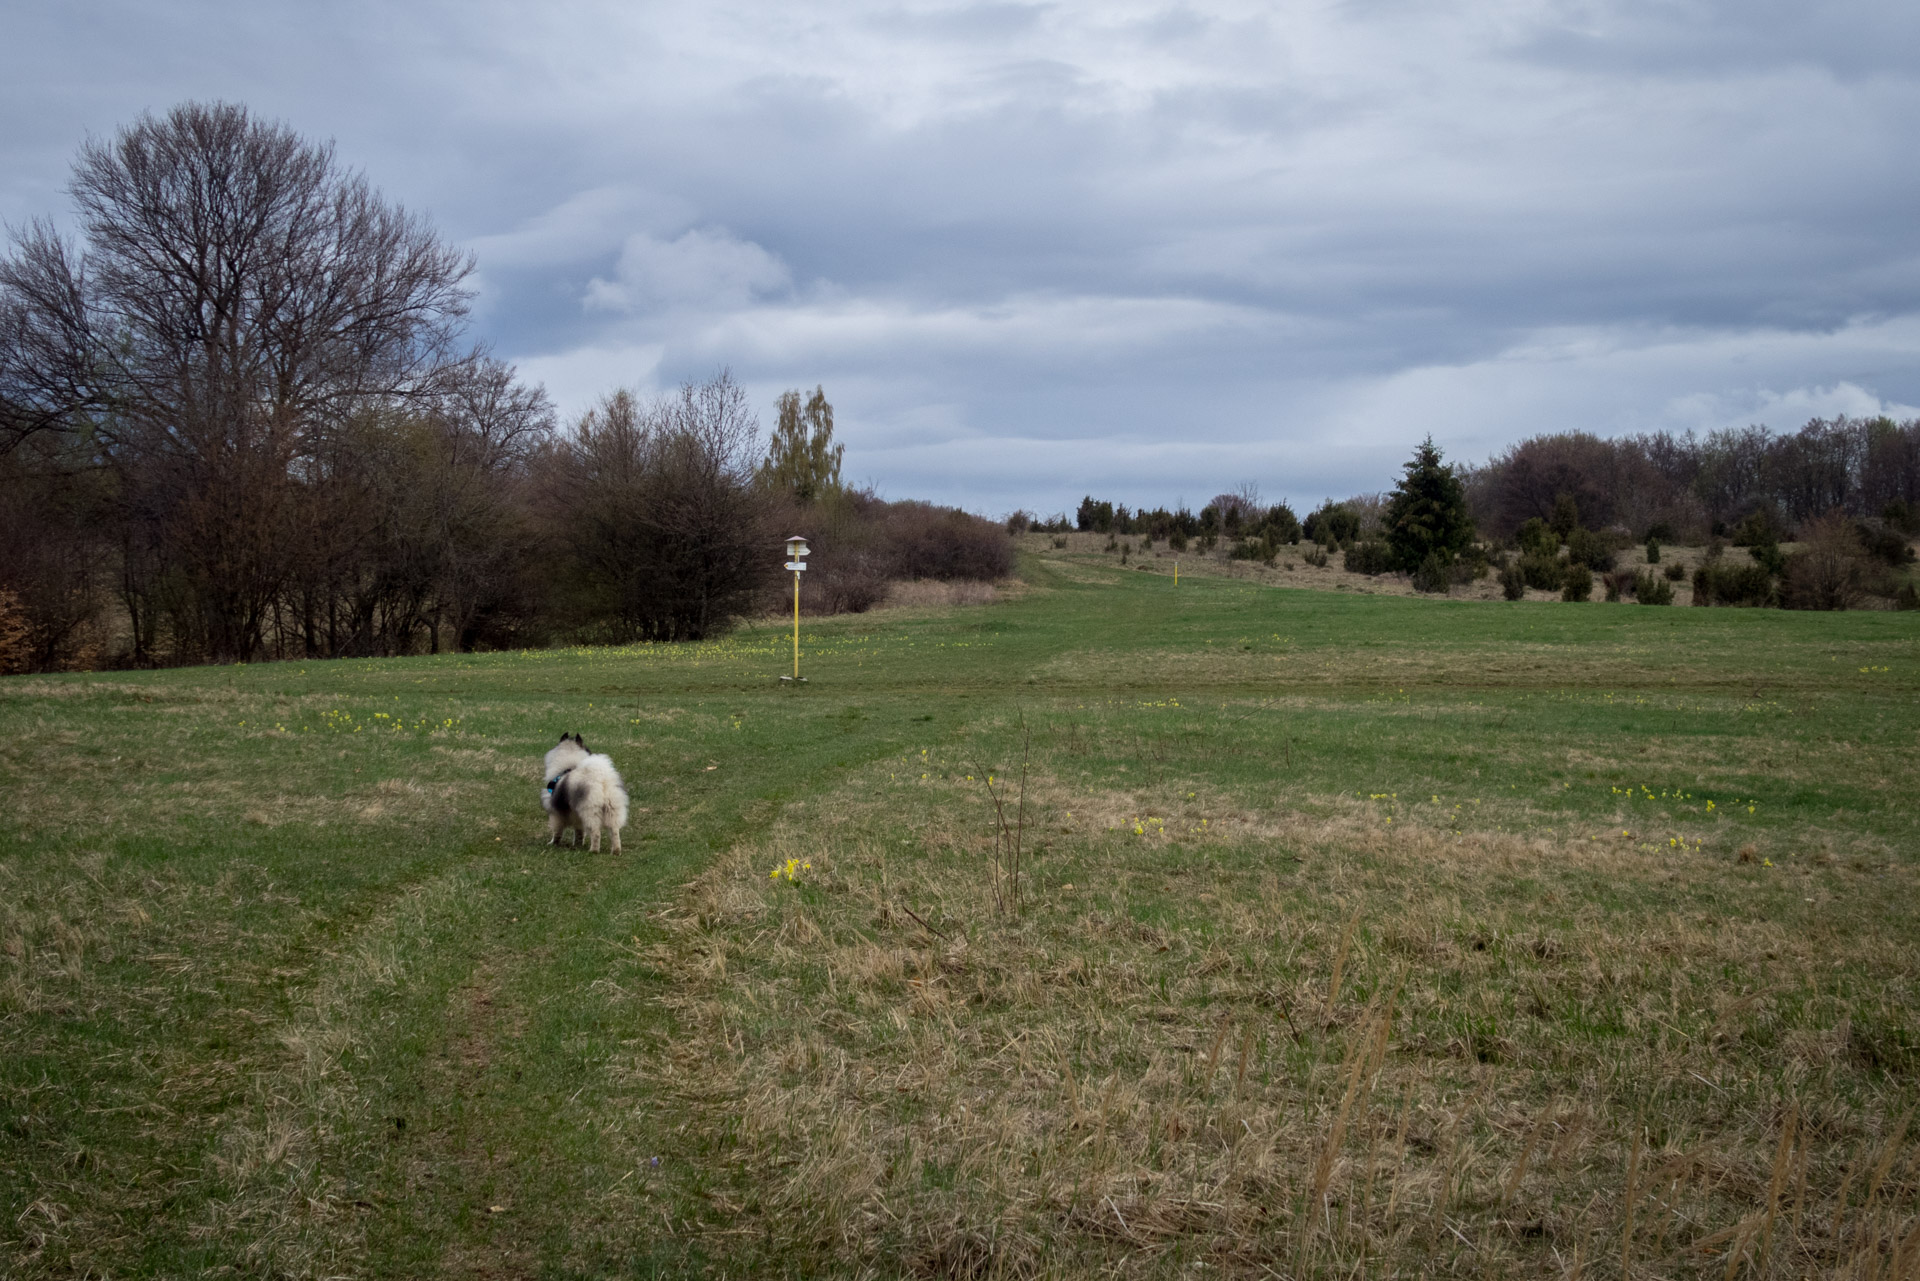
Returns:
(584,792)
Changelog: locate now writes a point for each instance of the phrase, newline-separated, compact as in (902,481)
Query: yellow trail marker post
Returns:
(797,562)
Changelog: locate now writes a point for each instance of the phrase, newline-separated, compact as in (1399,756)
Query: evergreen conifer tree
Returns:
(1427,515)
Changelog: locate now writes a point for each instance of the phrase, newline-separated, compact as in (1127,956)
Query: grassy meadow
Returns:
(1109,928)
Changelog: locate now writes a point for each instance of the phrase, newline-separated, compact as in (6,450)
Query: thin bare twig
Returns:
(923,923)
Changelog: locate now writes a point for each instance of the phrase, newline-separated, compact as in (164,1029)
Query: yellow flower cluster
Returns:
(1646,793)
(790,869)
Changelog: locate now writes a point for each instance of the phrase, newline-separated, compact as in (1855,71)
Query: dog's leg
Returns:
(616,838)
(554,828)
(594,828)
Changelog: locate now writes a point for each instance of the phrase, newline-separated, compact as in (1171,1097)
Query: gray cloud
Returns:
(1150,250)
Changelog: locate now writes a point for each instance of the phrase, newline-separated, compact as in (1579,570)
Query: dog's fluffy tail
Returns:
(605,796)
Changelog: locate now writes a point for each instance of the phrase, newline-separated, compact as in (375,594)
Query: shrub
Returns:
(1542,572)
(1759,527)
(850,566)
(1675,572)
(1908,597)
(1513,583)
(1472,566)
(1883,543)
(862,543)
(1317,557)
(1769,557)
(1262,549)
(1585,547)
(1280,524)
(1576,583)
(1653,551)
(1176,540)
(853,586)
(1019,523)
(1830,571)
(1538,538)
(1433,574)
(1722,584)
(53,563)
(945,542)
(1653,589)
(1332,524)
(1821,580)
(1369,558)
(1566,515)
(1094,517)
(14,634)
(1619,583)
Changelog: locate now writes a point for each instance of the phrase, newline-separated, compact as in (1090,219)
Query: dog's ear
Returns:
(563,736)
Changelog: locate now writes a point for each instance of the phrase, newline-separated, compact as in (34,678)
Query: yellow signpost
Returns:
(797,562)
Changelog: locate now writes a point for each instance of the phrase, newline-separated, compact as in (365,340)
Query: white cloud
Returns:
(1024,329)
(579,225)
(705,269)
(577,378)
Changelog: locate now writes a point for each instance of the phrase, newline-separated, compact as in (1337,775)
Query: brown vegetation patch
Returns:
(930,593)
(1289,1041)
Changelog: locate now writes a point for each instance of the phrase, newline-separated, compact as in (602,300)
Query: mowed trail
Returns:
(452,1061)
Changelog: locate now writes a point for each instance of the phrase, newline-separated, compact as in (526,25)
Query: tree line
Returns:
(1554,513)
(1692,488)
(238,421)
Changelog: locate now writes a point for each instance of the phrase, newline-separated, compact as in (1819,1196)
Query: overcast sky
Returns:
(1148,251)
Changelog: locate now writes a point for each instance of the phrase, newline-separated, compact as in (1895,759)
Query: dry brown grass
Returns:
(1285,1044)
(928,593)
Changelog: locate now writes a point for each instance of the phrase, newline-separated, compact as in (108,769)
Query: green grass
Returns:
(1428,953)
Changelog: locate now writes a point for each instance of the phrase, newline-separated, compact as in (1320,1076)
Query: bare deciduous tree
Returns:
(238,297)
(656,508)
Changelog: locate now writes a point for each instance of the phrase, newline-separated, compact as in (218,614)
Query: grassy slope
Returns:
(287,983)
